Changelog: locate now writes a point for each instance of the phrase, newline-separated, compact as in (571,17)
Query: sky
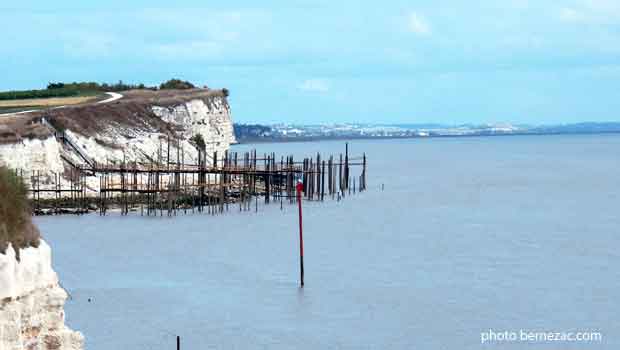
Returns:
(390,61)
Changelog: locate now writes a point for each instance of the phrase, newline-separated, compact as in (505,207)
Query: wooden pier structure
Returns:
(214,185)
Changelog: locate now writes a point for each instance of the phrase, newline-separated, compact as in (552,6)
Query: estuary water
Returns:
(469,236)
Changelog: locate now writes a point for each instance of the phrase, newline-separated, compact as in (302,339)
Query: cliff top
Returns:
(132,110)
(170,97)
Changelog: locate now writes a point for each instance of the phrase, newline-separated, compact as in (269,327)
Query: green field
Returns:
(13,106)
(64,90)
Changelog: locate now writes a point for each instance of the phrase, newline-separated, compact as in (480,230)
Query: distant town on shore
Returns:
(298,132)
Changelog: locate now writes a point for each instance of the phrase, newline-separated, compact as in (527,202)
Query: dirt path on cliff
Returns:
(113,97)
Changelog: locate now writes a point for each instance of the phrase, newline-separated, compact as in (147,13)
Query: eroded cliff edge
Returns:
(31,298)
(31,303)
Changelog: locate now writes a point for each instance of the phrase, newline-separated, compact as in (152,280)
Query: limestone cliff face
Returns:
(33,154)
(116,142)
(210,118)
(142,127)
(31,303)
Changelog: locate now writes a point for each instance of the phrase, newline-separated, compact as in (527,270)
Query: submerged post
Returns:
(300,188)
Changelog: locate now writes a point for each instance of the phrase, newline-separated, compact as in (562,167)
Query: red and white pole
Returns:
(300,188)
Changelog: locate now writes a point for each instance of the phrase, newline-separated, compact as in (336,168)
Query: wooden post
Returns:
(340,176)
(318,176)
(168,153)
(178,342)
(300,188)
(267,178)
(281,179)
(323,181)
(364,172)
(346,168)
(330,175)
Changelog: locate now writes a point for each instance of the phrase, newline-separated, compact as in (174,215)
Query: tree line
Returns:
(59,89)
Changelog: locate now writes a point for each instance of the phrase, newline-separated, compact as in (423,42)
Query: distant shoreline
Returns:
(255,140)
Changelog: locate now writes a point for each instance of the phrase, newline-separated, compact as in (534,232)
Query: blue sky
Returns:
(391,61)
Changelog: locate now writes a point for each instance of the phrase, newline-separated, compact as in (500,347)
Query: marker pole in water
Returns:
(300,188)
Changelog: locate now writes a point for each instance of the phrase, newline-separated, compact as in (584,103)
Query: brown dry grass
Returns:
(46,102)
(17,127)
(169,97)
(92,119)
(16,225)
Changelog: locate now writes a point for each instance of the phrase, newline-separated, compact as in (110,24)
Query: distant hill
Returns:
(580,128)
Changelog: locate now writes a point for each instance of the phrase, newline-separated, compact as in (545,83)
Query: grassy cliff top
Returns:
(170,96)
(16,225)
(64,94)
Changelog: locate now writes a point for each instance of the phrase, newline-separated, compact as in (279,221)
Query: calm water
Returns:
(470,234)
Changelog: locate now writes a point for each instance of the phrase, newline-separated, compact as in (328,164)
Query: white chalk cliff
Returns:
(32,154)
(133,137)
(116,142)
(31,303)
(209,118)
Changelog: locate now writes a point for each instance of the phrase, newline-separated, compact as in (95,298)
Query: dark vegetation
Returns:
(16,226)
(68,90)
(176,84)
(19,95)
(92,86)
(199,141)
(59,126)
(59,89)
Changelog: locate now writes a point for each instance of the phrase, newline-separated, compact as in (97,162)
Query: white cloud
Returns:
(314,85)
(418,24)
(571,15)
(592,11)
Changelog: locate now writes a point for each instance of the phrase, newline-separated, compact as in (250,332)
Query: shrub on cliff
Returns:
(16,226)
(58,125)
(176,84)
(199,141)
